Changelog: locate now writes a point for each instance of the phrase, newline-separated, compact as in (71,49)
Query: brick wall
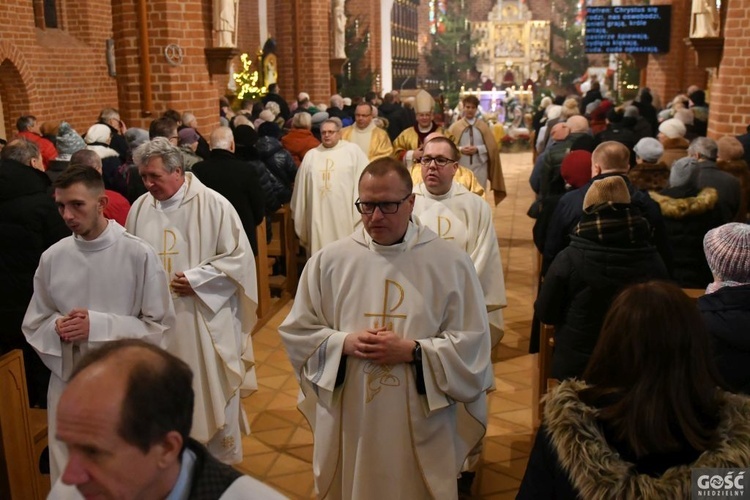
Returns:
(55,74)
(669,74)
(730,91)
(307,70)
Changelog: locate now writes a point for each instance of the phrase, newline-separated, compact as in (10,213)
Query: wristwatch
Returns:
(416,353)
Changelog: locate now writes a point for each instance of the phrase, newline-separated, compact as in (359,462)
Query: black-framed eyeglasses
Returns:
(439,161)
(386,207)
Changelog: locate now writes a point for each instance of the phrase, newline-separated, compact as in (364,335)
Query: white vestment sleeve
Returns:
(212,286)
(39,324)
(409,158)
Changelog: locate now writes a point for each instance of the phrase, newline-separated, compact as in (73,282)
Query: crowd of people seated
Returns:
(663,209)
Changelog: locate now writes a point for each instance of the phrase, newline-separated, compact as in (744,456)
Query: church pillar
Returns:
(178,32)
(303,33)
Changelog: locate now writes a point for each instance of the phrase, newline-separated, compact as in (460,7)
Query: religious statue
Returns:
(225,22)
(339,27)
(704,19)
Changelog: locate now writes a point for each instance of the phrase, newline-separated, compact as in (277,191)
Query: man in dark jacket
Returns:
(727,186)
(235,180)
(273,96)
(551,181)
(29,224)
(609,158)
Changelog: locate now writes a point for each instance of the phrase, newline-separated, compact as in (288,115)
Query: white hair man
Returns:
(325,189)
(210,263)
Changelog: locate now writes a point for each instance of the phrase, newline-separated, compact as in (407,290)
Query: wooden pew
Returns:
(545,381)
(23,435)
(694,293)
(284,245)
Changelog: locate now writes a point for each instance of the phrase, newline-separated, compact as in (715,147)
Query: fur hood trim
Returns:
(597,471)
(680,208)
(659,166)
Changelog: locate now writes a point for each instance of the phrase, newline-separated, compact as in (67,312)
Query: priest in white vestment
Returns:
(98,285)
(325,190)
(371,139)
(206,253)
(459,216)
(390,340)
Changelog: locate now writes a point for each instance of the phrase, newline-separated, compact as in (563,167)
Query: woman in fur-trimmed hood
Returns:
(648,413)
(689,213)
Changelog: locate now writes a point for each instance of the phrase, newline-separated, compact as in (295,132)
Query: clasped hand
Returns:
(379,345)
(73,327)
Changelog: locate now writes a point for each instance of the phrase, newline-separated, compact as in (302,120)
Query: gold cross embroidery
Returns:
(168,250)
(327,174)
(386,313)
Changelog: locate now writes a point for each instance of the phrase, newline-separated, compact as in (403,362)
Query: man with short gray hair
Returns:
(207,256)
(325,190)
(704,151)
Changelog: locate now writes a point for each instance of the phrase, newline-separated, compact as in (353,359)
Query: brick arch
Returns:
(16,85)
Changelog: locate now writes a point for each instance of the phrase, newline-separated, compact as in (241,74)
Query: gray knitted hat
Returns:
(727,251)
(68,141)
(649,149)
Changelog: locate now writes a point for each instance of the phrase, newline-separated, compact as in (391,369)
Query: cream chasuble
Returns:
(119,279)
(373,140)
(467,221)
(198,232)
(325,190)
(375,436)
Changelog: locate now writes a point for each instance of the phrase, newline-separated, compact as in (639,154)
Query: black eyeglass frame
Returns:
(428,160)
(380,204)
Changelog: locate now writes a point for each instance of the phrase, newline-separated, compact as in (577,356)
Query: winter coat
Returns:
(551,179)
(649,176)
(726,313)
(688,216)
(298,142)
(674,149)
(727,186)
(280,165)
(572,457)
(578,289)
(237,182)
(620,132)
(739,169)
(113,176)
(29,224)
(570,208)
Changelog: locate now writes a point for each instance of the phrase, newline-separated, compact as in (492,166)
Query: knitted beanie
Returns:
(68,141)
(649,149)
(727,251)
(188,135)
(609,190)
(576,168)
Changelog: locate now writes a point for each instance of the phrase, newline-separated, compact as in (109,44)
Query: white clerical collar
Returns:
(107,238)
(424,130)
(405,244)
(174,201)
(440,197)
(181,489)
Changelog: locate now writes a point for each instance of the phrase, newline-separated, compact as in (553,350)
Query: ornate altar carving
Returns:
(510,41)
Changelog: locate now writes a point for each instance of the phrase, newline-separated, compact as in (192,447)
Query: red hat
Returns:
(576,168)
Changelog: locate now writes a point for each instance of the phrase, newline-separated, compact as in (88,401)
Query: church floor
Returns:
(279,451)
